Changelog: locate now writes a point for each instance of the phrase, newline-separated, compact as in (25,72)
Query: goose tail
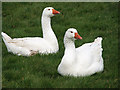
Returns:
(97,47)
(6,37)
(6,40)
(98,40)
(98,53)
(97,43)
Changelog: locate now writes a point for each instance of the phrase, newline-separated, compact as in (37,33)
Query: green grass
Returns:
(40,71)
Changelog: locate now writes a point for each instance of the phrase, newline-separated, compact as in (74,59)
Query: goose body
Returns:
(82,61)
(28,46)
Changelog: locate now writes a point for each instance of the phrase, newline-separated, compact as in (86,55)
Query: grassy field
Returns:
(40,71)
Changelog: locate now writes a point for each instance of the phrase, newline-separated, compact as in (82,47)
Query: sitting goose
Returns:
(82,61)
(31,45)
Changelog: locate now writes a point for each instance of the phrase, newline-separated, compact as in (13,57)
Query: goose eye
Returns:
(71,31)
(48,9)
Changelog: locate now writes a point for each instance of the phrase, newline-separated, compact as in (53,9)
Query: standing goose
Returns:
(82,61)
(31,45)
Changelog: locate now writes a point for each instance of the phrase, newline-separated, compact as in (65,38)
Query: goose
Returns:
(82,61)
(29,46)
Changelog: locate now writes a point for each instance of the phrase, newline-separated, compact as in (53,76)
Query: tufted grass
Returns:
(40,71)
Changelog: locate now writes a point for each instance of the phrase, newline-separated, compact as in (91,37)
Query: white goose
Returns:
(82,61)
(31,45)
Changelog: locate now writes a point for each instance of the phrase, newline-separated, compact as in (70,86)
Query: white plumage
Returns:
(82,61)
(31,45)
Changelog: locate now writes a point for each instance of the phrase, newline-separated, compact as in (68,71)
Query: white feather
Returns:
(31,45)
(82,61)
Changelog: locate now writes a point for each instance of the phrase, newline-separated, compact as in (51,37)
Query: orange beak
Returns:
(77,36)
(55,11)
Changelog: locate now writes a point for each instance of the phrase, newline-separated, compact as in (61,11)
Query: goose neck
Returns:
(46,23)
(69,51)
(69,44)
(48,33)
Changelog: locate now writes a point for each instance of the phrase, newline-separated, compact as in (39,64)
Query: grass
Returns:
(40,71)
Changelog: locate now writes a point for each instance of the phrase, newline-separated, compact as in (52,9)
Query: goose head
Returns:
(50,11)
(72,34)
